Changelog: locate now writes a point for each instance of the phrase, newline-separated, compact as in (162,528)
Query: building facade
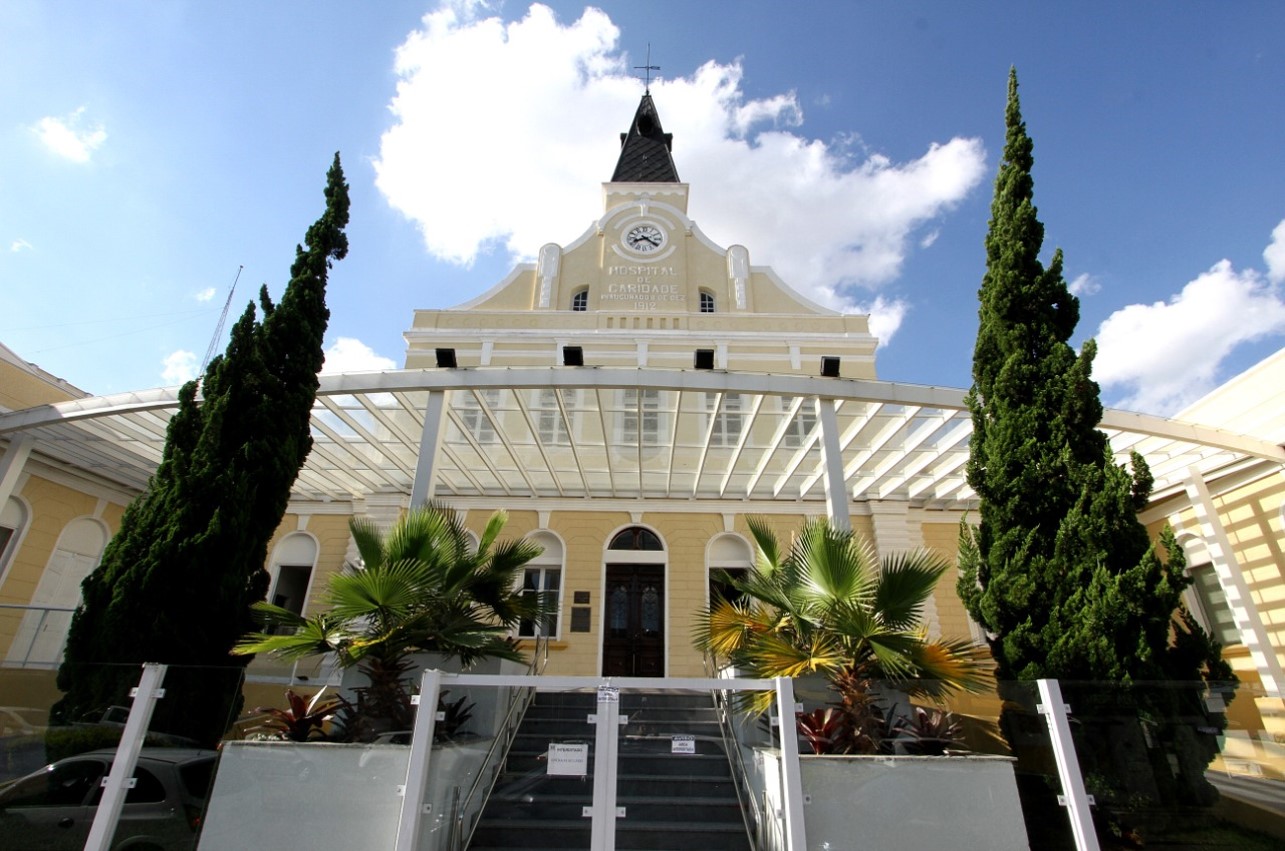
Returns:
(631,398)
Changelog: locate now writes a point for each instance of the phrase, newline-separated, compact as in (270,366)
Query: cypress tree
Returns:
(176,582)
(1059,572)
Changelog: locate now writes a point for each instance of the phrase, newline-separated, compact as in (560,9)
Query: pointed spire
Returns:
(645,149)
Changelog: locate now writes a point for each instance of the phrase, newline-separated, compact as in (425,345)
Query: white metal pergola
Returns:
(618,433)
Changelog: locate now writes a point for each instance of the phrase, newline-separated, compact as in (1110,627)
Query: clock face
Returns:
(644,238)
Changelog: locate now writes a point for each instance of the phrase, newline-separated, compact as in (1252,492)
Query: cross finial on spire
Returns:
(648,68)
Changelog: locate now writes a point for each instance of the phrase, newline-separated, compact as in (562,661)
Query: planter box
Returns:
(910,803)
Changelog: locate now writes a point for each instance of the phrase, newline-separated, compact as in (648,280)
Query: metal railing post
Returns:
(117,783)
(603,831)
(791,780)
(1074,797)
(421,745)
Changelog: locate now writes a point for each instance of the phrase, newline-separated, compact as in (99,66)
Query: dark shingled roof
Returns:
(644,150)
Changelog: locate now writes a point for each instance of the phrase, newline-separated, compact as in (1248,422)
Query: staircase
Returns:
(673,801)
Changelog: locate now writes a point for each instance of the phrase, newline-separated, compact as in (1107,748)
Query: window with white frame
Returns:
(707,301)
(292,563)
(640,418)
(1214,609)
(580,300)
(548,417)
(473,418)
(728,556)
(12,519)
(803,422)
(542,580)
(728,416)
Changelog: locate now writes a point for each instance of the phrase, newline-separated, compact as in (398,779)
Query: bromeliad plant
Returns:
(421,587)
(827,605)
(301,720)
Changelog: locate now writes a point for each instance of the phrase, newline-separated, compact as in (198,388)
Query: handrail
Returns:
(18,657)
(750,811)
(519,701)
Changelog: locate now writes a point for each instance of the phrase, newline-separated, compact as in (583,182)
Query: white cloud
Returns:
(1164,356)
(886,316)
(1084,285)
(351,355)
(67,138)
(179,367)
(19,245)
(929,238)
(1274,255)
(205,294)
(528,167)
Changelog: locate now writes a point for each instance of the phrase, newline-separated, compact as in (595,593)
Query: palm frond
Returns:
(769,555)
(369,540)
(771,655)
(949,665)
(492,531)
(311,637)
(834,565)
(726,627)
(905,585)
(393,590)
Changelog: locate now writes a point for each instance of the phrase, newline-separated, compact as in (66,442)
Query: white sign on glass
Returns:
(569,759)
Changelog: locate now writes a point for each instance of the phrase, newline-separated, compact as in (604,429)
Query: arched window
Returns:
(13,519)
(43,630)
(543,576)
(1211,607)
(580,300)
(636,538)
(728,555)
(293,562)
(707,301)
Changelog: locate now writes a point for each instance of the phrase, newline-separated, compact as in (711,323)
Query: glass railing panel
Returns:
(913,767)
(746,738)
(547,780)
(27,697)
(166,804)
(468,721)
(61,742)
(300,769)
(674,780)
(471,792)
(1180,765)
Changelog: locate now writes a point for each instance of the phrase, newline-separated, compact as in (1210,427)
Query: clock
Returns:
(644,238)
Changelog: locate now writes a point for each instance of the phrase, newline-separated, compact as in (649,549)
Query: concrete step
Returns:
(673,801)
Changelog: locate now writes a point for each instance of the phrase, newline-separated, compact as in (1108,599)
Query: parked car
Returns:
(52,809)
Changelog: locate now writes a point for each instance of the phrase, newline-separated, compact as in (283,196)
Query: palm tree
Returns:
(828,606)
(421,587)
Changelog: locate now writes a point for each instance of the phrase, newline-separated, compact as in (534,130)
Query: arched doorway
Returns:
(633,634)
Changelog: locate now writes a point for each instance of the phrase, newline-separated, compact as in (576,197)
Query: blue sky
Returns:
(148,150)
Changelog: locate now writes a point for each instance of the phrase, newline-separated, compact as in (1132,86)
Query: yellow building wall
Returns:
(22,388)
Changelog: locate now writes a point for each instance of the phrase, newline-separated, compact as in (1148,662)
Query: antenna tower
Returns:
(218,329)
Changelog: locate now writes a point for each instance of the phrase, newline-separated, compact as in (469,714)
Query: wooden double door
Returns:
(633,643)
